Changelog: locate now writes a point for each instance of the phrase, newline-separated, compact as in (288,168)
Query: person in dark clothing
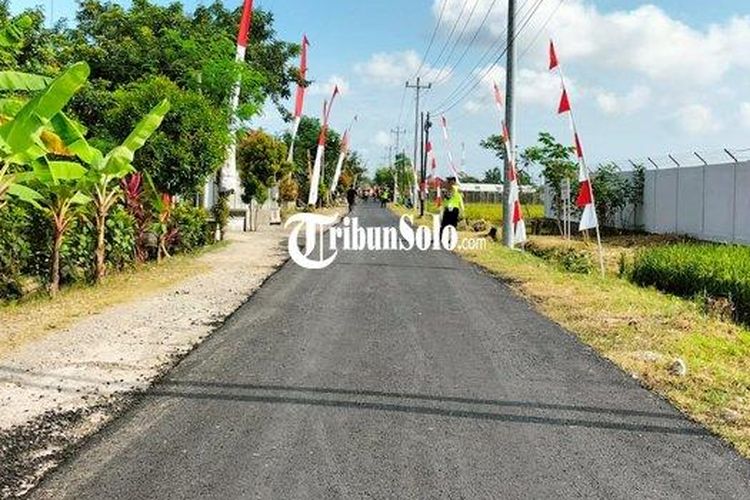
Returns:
(453,205)
(351,196)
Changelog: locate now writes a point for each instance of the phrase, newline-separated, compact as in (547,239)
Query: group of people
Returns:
(453,201)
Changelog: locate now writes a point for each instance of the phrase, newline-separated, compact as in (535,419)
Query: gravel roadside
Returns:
(57,390)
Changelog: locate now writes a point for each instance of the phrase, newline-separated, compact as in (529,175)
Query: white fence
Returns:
(708,202)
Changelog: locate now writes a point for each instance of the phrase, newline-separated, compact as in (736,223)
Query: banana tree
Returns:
(106,171)
(57,188)
(24,131)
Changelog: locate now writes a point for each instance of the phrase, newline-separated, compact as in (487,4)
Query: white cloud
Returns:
(614,104)
(532,86)
(395,68)
(381,138)
(326,88)
(473,107)
(697,119)
(645,39)
(745,114)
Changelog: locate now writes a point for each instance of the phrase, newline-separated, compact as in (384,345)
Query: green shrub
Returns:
(695,269)
(120,237)
(15,249)
(77,253)
(194,229)
(568,258)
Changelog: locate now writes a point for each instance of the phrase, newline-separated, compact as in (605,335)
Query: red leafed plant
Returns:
(132,187)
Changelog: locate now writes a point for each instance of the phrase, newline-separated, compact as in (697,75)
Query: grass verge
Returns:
(36,316)
(643,331)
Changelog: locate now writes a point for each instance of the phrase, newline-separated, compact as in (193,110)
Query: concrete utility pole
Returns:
(423,166)
(418,87)
(510,86)
(398,132)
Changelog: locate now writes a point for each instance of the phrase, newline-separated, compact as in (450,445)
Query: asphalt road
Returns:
(397,375)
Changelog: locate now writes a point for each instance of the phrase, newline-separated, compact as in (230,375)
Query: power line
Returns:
(450,35)
(542,28)
(459,38)
(473,39)
(432,40)
(487,71)
(483,60)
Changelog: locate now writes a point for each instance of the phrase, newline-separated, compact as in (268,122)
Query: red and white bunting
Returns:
(299,101)
(228,181)
(312,199)
(434,181)
(342,156)
(519,225)
(585,200)
(446,137)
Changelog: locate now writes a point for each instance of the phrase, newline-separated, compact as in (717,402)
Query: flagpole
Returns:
(300,98)
(580,155)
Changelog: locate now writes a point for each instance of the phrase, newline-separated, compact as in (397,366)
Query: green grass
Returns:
(491,212)
(698,269)
(623,320)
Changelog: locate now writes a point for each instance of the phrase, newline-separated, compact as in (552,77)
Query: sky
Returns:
(644,77)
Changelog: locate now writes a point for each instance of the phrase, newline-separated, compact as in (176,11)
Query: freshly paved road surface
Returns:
(397,375)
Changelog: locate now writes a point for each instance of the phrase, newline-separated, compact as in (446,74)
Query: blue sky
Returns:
(646,77)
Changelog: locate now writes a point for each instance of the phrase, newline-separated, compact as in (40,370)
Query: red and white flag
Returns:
(299,101)
(451,163)
(228,180)
(519,225)
(342,156)
(312,198)
(585,201)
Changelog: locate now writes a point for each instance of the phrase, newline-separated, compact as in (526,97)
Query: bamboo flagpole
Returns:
(228,182)
(345,142)
(299,100)
(585,199)
(320,153)
(446,137)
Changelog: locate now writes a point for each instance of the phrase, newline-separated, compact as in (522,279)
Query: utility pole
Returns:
(398,132)
(423,185)
(418,87)
(510,86)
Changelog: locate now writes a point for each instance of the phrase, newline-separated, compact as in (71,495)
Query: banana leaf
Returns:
(21,133)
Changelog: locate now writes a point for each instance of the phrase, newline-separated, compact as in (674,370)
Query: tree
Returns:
(105,172)
(612,192)
(188,146)
(195,51)
(493,176)
(558,166)
(495,144)
(260,160)
(305,149)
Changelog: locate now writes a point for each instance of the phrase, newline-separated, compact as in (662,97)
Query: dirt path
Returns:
(59,388)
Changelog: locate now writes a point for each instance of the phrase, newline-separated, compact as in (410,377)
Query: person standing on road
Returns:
(351,196)
(453,204)
(384,196)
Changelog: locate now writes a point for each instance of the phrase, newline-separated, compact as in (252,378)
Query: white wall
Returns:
(707,202)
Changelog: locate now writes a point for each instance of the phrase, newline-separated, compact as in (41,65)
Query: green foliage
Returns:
(220,212)
(696,269)
(120,237)
(612,191)
(493,176)
(260,159)
(567,258)
(15,249)
(305,148)
(194,229)
(558,165)
(188,146)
